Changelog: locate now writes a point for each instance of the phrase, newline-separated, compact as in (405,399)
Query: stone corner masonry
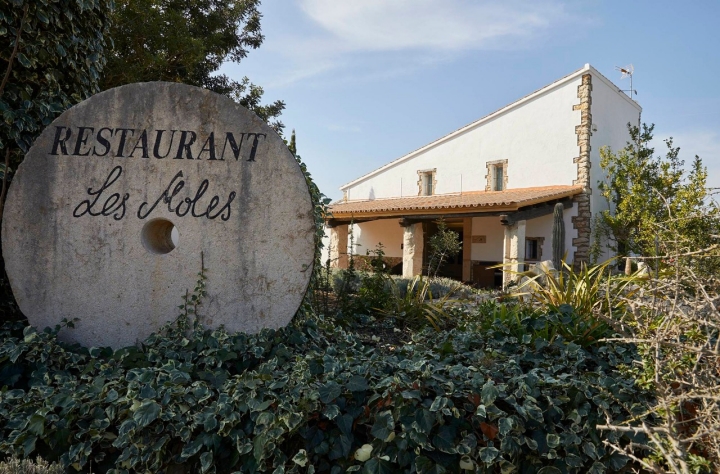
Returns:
(582,222)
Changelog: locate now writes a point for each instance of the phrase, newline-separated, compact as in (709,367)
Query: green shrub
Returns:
(417,308)
(17,466)
(312,395)
(372,294)
(590,289)
(524,321)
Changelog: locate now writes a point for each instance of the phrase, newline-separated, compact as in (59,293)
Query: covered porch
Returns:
(509,227)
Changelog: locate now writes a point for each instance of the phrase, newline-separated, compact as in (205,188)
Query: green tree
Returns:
(51,56)
(655,197)
(187,41)
(444,244)
(292,146)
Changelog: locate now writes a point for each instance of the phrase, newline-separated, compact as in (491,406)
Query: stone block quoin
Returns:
(582,222)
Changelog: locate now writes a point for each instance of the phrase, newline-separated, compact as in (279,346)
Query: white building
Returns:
(494,181)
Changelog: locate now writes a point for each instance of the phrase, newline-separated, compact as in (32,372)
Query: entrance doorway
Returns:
(452,267)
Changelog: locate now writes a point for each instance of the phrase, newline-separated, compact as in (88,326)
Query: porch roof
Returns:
(448,204)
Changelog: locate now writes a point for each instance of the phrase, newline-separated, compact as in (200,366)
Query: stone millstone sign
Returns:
(109,214)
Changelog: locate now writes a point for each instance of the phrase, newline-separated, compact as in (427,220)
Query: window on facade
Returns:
(533,249)
(496,175)
(499,178)
(426,182)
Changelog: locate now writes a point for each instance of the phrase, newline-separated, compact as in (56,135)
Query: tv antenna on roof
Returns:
(627,71)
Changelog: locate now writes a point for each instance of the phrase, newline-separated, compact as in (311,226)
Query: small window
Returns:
(499,178)
(426,182)
(497,175)
(533,248)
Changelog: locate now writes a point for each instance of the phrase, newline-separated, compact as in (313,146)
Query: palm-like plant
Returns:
(591,299)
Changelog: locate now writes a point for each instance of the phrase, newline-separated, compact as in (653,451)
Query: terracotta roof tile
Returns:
(478,201)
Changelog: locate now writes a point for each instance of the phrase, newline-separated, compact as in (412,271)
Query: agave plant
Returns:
(588,301)
(590,289)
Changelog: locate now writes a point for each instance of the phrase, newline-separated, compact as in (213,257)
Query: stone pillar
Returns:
(467,249)
(338,246)
(514,250)
(413,250)
(582,222)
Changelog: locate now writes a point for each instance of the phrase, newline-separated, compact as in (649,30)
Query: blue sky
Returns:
(366,81)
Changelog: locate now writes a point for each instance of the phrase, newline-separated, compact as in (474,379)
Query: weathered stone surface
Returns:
(338,246)
(581,222)
(88,218)
(412,250)
(514,250)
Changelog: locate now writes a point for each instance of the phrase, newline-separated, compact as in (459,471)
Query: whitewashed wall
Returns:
(537,138)
(543,226)
(492,249)
(611,112)
(386,231)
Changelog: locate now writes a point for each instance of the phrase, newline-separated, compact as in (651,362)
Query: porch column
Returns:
(467,250)
(514,250)
(338,246)
(412,250)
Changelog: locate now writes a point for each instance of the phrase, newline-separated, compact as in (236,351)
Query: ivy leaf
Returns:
(23,60)
(505,425)
(378,466)
(445,439)
(206,461)
(618,461)
(574,461)
(589,449)
(329,392)
(490,431)
(29,445)
(384,425)
(331,411)
(192,448)
(345,424)
(489,393)
(487,455)
(146,413)
(424,465)
(36,425)
(42,17)
(357,383)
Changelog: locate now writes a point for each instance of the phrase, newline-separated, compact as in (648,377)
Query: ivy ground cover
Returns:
(315,398)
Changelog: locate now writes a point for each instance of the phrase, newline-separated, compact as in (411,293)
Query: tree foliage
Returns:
(653,196)
(51,57)
(187,41)
(444,244)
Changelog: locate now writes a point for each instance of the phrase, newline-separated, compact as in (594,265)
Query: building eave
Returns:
(510,200)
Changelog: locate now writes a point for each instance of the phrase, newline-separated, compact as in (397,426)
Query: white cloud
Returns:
(366,40)
(446,25)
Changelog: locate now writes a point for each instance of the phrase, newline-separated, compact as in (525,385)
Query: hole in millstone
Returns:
(160,236)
